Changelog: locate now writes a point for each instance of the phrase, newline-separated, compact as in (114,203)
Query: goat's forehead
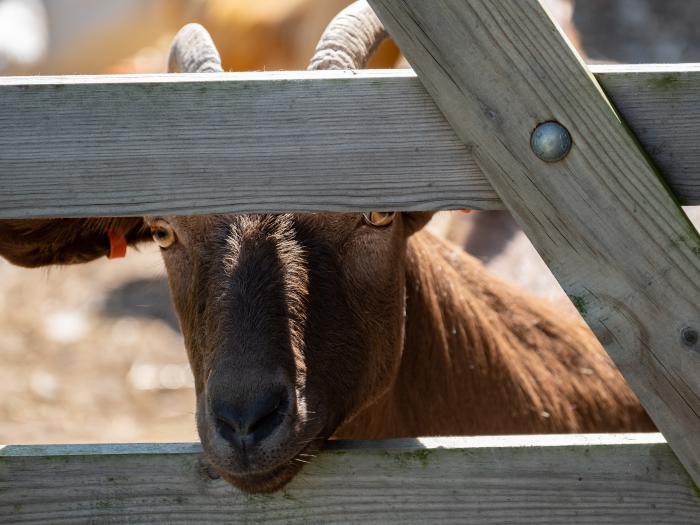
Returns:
(205,224)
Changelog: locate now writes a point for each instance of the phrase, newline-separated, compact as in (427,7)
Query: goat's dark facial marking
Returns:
(293,324)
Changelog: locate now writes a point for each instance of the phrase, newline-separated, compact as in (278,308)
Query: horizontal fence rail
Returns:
(287,141)
(627,478)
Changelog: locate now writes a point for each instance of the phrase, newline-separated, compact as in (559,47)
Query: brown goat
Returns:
(300,327)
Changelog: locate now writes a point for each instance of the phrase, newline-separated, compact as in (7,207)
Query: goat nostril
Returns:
(253,421)
(229,430)
(266,418)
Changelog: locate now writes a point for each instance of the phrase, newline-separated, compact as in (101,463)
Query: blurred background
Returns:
(93,353)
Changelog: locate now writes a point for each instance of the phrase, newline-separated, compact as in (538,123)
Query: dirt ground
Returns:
(92,354)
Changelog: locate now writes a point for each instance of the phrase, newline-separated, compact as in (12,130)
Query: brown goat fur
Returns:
(43,242)
(365,332)
(514,364)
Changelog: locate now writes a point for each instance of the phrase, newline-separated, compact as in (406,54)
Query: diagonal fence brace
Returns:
(602,218)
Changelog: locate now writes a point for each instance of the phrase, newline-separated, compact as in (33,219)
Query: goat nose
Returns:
(247,424)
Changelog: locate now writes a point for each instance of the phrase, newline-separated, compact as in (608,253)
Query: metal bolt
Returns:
(551,141)
(689,337)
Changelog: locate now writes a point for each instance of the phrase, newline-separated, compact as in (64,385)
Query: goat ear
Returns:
(415,220)
(42,242)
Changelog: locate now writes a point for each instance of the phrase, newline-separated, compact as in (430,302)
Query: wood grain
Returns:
(510,479)
(603,218)
(661,105)
(291,141)
(208,143)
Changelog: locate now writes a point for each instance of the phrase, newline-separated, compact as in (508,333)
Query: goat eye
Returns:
(379,218)
(163,234)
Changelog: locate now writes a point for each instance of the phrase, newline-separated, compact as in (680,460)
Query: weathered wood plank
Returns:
(510,479)
(304,141)
(661,103)
(207,143)
(602,218)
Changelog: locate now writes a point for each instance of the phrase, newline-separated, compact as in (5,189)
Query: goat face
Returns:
(293,324)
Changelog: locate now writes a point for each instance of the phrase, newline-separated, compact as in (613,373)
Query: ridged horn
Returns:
(350,39)
(193,51)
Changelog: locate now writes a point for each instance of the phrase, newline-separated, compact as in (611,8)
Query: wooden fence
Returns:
(283,141)
(508,479)
(608,224)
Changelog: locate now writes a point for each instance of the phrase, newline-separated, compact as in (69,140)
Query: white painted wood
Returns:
(602,219)
(507,479)
(279,141)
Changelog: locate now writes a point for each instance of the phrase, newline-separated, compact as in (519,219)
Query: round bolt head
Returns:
(690,336)
(551,142)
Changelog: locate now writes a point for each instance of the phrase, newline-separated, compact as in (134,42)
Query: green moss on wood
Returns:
(423,456)
(666,82)
(695,489)
(404,459)
(580,304)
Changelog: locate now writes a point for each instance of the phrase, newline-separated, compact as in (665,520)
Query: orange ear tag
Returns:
(466,211)
(117,245)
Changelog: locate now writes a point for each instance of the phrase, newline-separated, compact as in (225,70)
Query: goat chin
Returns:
(264,480)
(267,482)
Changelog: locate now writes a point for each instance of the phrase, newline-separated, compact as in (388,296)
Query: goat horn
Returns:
(350,39)
(193,51)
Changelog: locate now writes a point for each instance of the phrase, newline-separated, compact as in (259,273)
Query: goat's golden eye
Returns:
(379,218)
(163,234)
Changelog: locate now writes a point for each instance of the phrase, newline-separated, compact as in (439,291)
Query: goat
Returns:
(303,327)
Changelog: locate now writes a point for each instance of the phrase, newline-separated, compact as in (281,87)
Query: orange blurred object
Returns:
(117,244)
(262,35)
